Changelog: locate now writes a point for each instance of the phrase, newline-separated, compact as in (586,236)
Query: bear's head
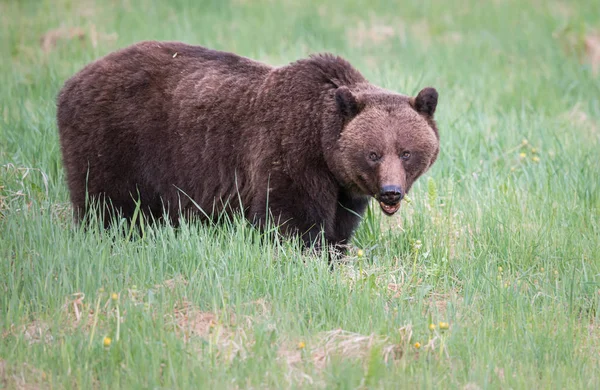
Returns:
(387,141)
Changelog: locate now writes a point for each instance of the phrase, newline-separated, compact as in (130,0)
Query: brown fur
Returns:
(171,123)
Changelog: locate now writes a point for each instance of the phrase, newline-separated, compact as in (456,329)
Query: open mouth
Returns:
(389,209)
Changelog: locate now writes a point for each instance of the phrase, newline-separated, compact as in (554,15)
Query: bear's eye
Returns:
(405,156)
(373,156)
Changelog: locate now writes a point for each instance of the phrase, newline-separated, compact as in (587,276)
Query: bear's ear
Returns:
(348,104)
(425,102)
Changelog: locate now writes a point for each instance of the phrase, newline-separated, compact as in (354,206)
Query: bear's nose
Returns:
(391,194)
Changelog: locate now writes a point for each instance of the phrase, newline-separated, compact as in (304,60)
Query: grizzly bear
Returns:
(180,129)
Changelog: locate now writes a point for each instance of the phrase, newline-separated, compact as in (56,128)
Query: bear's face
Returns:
(387,142)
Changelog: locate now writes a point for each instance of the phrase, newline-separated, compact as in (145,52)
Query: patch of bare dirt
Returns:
(592,51)
(375,31)
(578,118)
(33,332)
(3,202)
(378,32)
(231,339)
(24,377)
(62,212)
(190,321)
(79,312)
(422,32)
(36,332)
(561,9)
(65,35)
(49,40)
(367,34)
(451,37)
(171,284)
(349,345)
(218,329)
(438,303)
(591,347)
(585,47)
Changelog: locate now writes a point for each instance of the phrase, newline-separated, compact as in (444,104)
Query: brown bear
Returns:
(179,129)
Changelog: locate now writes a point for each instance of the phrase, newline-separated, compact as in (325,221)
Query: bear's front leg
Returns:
(297,215)
(348,215)
(317,239)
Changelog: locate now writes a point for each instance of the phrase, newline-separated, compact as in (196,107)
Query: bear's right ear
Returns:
(347,102)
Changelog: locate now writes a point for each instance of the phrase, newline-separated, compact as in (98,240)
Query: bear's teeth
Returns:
(388,208)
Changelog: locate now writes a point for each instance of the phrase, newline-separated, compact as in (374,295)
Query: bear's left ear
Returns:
(348,104)
(425,102)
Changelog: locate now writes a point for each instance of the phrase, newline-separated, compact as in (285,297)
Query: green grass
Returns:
(502,247)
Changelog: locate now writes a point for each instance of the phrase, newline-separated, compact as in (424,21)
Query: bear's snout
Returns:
(389,198)
(391,194)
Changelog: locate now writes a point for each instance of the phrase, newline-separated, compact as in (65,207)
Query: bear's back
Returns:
(152,117)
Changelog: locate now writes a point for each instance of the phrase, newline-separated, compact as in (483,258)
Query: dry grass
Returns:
(14,186)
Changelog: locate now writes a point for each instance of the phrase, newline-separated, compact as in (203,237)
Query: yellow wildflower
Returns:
(107,340)
(417,345)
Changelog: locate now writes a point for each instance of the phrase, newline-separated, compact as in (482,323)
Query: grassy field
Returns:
(500,243)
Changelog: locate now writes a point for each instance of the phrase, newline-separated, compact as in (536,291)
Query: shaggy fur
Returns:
(178,126)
